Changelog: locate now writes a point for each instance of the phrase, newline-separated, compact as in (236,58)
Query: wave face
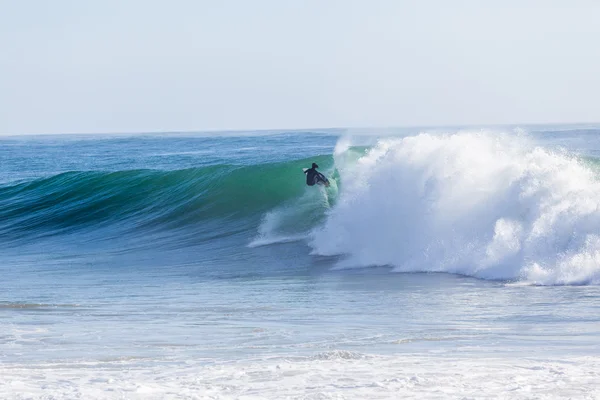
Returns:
(486,205)
(149,200)
(489,206)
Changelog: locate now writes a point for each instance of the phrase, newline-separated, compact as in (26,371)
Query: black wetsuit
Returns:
(313,176)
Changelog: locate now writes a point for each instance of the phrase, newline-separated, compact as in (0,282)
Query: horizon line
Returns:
(306,130)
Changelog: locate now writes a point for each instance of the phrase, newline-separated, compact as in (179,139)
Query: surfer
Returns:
(313,176)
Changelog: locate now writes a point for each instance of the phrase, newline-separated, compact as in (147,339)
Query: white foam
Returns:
(269,240)
(369,377)
(489,205)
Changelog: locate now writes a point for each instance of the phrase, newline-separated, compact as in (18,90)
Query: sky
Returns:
(188,65)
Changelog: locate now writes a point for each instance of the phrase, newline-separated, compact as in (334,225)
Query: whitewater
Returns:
(492,206)
(440,263)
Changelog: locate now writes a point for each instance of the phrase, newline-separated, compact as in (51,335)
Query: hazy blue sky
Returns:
(142,65)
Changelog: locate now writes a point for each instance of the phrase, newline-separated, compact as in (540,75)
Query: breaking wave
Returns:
(479,204)
(492,206)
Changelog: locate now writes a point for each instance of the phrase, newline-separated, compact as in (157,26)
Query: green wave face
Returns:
(136,200)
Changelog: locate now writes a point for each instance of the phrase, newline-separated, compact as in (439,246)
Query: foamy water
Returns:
(494,206)
(332,375)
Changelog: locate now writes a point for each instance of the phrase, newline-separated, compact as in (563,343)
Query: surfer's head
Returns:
(315,165)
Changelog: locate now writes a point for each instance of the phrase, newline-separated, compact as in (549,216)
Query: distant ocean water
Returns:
(440,263)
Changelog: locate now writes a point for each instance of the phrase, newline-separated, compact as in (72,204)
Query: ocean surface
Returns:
(440,263)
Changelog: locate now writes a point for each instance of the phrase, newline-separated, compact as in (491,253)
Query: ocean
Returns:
(455,263)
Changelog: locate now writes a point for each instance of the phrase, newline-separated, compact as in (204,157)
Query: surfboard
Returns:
(324,183)
(321,180)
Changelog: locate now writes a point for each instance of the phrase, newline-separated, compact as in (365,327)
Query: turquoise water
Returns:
(172,256)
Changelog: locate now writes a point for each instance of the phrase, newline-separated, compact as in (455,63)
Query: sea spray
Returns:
(493,206)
